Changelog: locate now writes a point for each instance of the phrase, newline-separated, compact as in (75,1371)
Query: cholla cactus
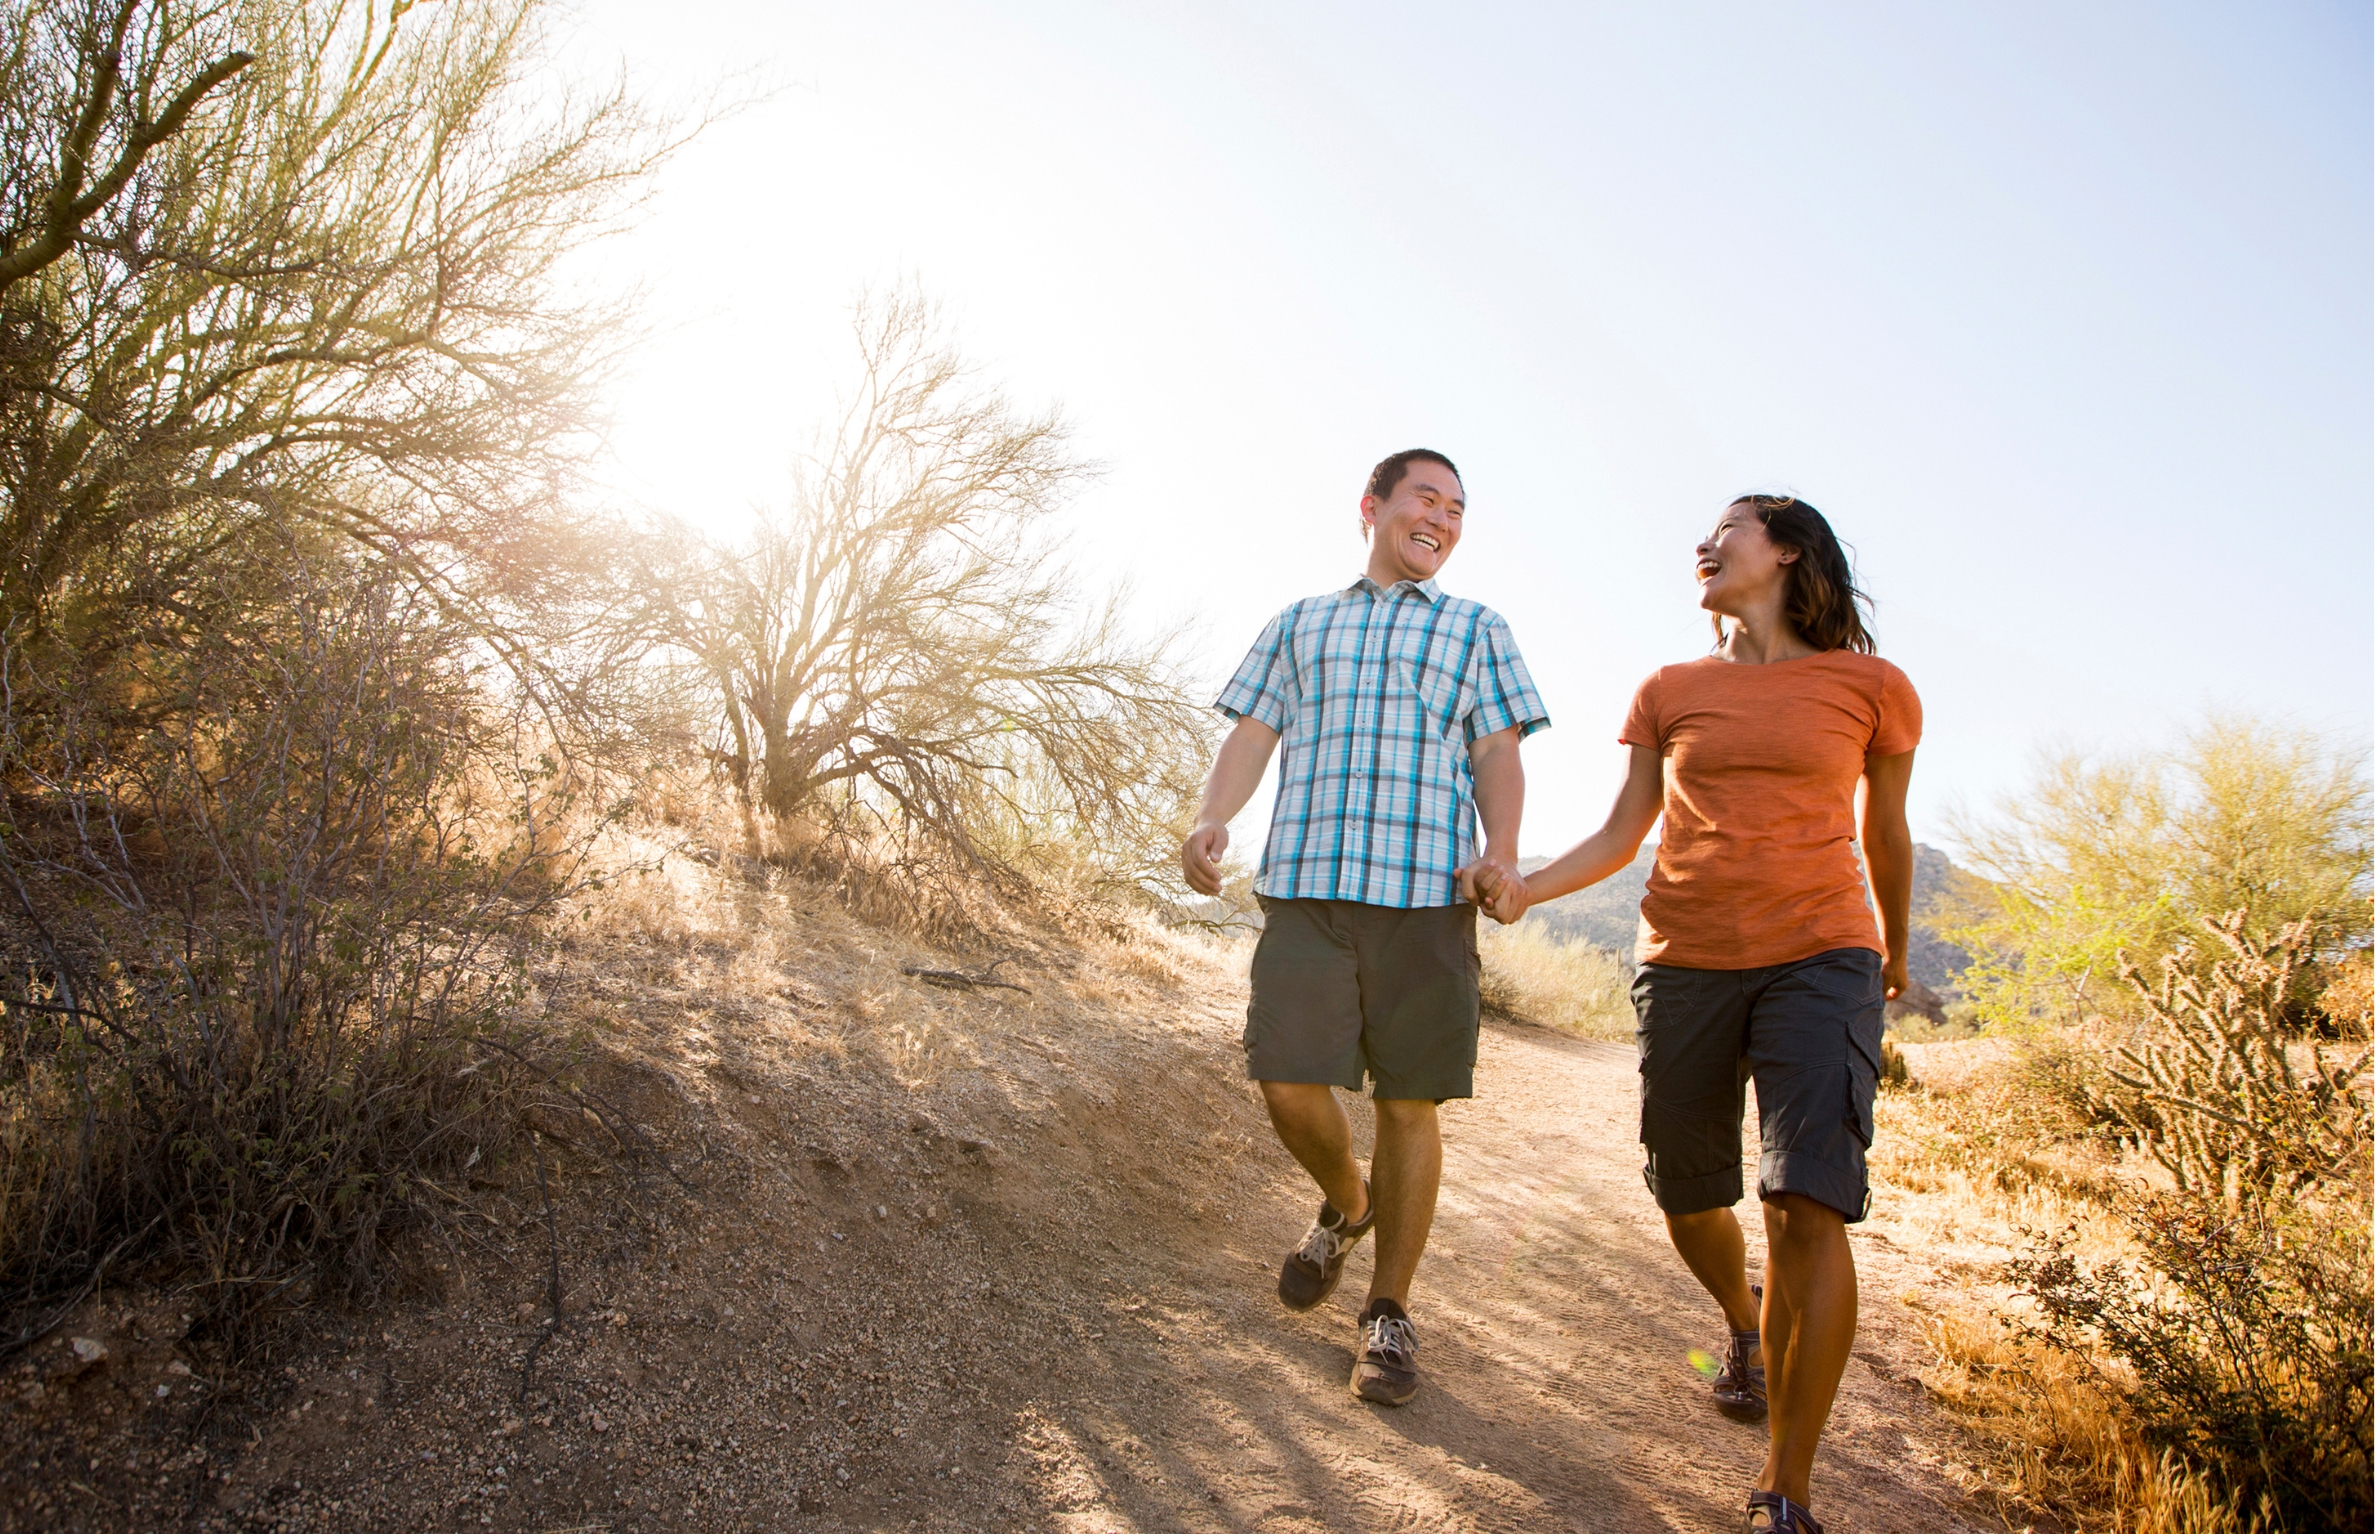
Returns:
(2219,1098)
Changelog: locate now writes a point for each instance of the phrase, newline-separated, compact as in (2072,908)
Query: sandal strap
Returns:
(1782,1516)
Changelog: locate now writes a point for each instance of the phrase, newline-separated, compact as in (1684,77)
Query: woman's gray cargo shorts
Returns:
(1808,1032)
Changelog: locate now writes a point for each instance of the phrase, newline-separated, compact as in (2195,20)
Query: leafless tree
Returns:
(901,646)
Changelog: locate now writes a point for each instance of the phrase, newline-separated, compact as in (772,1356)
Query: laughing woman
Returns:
(1760,955)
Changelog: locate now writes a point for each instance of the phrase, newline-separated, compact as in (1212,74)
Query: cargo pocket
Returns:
(1863,1077)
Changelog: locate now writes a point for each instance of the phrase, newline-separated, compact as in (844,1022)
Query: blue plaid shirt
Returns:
(1377,694)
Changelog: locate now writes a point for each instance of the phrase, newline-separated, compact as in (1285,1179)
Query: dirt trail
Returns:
(983,1261)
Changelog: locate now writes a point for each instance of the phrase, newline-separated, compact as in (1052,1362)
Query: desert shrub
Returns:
(1531,975)
(2348,998)
(2244,1342)
(2107,856)
(261,926)
(2217,1095)
(2236,1339)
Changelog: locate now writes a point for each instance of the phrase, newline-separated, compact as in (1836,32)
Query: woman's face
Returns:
(1740,567)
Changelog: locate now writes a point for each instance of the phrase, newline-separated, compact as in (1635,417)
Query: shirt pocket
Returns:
(1442,699)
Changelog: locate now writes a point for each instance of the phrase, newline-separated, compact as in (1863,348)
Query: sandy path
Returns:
(1554,1325)
(989,1261)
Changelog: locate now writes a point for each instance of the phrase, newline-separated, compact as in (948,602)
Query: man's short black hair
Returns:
(1387,476)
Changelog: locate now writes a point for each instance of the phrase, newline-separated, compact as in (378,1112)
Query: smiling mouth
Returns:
(1708,569)
(1423,541)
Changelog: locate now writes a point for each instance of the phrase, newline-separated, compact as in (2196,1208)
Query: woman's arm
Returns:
(1612,846)
(1888,856)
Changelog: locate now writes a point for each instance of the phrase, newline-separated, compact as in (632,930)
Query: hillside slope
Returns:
(963,1260)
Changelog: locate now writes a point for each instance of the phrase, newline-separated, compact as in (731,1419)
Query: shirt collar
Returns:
(1425,588)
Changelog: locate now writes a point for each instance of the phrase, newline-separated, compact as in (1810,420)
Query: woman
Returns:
(1759,954)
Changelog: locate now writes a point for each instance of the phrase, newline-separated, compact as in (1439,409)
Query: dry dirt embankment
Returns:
(965,1260)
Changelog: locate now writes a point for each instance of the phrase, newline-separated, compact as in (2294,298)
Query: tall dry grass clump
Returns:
(1578,988)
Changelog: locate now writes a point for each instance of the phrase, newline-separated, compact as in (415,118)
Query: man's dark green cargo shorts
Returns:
(1809,1032)
(1343,991)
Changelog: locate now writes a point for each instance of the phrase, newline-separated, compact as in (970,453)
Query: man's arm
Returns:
(1888,855)
(1618,840)
(1236,773)
(1492,880)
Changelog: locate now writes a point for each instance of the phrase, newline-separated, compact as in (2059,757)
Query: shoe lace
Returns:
(1392,1338)
(1319,1246)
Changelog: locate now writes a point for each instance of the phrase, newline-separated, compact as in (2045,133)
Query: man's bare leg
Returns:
(1404,1175)
(1312,1126)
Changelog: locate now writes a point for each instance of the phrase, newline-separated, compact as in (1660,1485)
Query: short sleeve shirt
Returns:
(1756,861)
(1376,694)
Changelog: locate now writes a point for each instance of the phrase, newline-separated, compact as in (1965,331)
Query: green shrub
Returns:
(2128,855)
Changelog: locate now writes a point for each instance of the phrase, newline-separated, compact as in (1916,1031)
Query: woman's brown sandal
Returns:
(1740,1389)
(1769,1512)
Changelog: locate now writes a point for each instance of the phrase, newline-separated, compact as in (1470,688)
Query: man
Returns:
(1401,710)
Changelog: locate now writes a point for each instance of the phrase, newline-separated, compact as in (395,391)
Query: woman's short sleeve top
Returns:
(1756,862)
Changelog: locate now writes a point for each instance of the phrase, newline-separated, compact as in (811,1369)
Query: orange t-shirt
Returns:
(1757,863)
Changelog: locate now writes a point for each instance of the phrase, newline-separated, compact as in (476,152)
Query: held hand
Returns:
(1892,976)
(1516,898)
(1200,857)
(1495,885)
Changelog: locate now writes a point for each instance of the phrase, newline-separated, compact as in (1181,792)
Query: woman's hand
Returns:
(1496,889)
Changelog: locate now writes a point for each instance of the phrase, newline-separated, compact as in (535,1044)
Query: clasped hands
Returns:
(1496,887)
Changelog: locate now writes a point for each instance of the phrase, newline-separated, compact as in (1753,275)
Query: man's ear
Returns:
(1369,505)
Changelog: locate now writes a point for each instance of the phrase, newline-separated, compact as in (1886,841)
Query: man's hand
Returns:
(1236,772)
(1200,856)
(1496,887)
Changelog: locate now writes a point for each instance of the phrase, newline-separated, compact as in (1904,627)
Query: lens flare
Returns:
(1705,1363)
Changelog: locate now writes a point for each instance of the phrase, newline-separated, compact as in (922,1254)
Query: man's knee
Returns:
(1294,1094)
(1404,1115)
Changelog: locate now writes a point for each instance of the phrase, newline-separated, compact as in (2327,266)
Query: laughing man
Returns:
(1401,710)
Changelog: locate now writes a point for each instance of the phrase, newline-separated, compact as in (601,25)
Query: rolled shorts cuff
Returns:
(1288,1075)
(1695,1195)
(1433,1089)
(1849,1192)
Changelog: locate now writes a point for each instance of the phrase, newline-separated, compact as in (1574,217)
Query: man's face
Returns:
(1413,531)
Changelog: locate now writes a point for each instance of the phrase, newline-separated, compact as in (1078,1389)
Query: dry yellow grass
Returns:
(1976,1166)
(1574,987)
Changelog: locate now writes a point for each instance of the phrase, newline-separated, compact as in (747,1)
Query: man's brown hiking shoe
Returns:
(1387,1370)
(1311,1270)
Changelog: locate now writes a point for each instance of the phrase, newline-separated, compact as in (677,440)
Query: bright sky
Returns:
(2060,313)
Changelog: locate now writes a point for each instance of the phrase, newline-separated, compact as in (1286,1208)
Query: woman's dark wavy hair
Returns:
(1824,605)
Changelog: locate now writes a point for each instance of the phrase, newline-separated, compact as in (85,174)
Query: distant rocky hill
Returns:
(1607,915)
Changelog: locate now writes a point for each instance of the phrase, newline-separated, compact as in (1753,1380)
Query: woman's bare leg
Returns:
(1810,1309)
